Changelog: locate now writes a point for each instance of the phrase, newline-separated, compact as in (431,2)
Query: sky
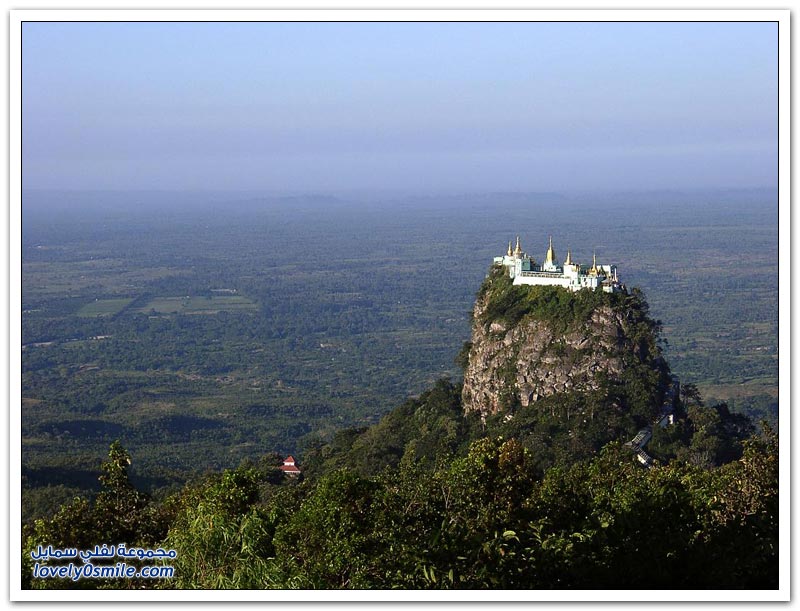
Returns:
(423,107)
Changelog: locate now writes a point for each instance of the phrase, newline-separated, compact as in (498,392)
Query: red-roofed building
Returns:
(289,468)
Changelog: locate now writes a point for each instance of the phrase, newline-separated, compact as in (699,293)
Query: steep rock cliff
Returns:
(530,342)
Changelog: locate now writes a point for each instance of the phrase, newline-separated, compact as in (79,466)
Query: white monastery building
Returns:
(570,275)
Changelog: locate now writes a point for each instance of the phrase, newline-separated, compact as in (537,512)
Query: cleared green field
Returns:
(107,276)
(104,307)
(199,305)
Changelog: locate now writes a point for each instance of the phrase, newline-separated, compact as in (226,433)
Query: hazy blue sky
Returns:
(439,106)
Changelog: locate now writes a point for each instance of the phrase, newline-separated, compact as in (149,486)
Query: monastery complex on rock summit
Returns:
(570,275)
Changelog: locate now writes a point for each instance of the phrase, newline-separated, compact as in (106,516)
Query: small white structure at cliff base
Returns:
(570,275)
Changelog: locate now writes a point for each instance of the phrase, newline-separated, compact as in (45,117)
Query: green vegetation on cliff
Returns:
(509,304)
(426,429)
(564,310)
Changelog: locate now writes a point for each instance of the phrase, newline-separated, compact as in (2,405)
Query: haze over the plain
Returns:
(421,106)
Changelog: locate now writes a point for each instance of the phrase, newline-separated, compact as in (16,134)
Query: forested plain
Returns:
(546,496)
(202,330)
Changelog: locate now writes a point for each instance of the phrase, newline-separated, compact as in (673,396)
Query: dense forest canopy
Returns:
(448,513)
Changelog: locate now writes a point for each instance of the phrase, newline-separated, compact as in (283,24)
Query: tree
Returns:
(119,514)
(222,536)
(329,541)
(691,395)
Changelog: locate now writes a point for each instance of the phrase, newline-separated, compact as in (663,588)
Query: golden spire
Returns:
(593,271)
(518,249)
(509,248)
(550,257)
(568,260)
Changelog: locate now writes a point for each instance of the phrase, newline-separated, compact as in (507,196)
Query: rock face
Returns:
(516,363)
